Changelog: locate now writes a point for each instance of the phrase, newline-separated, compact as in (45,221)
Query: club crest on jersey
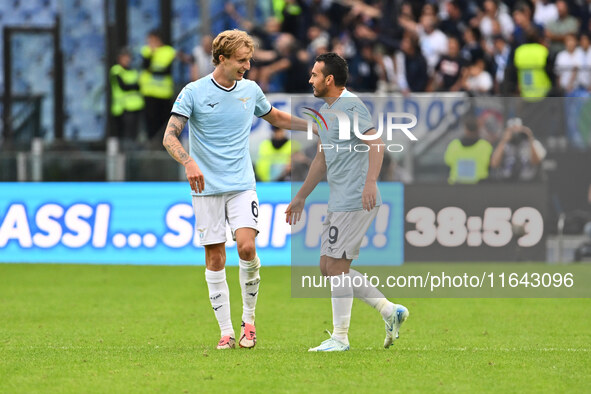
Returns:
(244,101)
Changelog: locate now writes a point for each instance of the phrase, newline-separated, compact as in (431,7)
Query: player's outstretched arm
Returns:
(317,170)
(171,142)
(376,156)
(286,121)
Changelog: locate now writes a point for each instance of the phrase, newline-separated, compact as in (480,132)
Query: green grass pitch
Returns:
(80,329)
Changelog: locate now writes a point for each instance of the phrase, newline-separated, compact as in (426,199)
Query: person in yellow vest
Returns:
(274,158)
(531,62)
(156,83)
(127,102)
(468,157)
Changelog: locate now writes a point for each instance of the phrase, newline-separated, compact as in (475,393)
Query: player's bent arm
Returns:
(284,120)
(171,142)
(315,174)
(376,156)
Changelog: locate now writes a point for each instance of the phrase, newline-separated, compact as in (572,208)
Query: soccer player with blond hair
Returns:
(219,109)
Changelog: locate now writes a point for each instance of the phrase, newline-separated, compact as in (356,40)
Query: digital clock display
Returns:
(451,227)
(492,222)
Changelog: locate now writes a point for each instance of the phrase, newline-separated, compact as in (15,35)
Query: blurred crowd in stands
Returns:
(531,49)
(425,46)
(509,47)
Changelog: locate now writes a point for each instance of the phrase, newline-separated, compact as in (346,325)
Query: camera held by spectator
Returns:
(518,156)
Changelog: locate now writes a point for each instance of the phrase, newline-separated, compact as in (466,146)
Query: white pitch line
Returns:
(486,349)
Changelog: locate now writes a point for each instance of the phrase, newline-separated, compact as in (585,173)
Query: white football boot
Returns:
(393,324)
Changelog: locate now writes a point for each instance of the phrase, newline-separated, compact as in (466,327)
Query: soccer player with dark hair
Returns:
(353,203)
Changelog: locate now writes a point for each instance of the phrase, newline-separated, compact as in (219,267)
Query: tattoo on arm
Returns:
(171,138)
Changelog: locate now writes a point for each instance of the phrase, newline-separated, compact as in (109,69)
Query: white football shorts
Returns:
(238,209)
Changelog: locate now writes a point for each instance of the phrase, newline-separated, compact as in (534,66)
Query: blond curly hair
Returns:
(228,42)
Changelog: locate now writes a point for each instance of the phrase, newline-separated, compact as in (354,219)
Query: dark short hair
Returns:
(455,37)
(531,36)
(571,34)
(336,66)
(155,33)
(522,6)
(476,33)
(471,123)
(124,51)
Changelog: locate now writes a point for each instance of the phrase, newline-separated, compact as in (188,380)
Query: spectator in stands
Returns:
(569,70)
(584,16)
(476,80)
(389,33)
(565,24)
(265,34)
(264,37)
(518,156)
(568,65)
(531,65)
(274,157)
(319,41)
(344,46)
(493,15)
(127,102)
(522,16)
(454,24)
(201,61)
(295,18)
(448,71)
(411,66)
(290,67)
(156,83)
(468,157)
(363,70)
(472,49)
(501,54)
(545,12)
(585,72)
(433,42)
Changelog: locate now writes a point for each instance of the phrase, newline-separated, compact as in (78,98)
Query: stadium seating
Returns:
(32,63)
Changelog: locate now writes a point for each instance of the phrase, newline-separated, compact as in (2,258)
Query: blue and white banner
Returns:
(153,223)
(121,223)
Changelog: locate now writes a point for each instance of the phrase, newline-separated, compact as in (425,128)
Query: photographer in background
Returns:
(518,156)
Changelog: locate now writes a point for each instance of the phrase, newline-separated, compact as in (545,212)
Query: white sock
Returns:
(219,296)
(342,302)
(249,283)
(371,295)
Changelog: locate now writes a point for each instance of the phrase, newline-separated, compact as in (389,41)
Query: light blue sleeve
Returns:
(262,106)
(183,105)
(365,120)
